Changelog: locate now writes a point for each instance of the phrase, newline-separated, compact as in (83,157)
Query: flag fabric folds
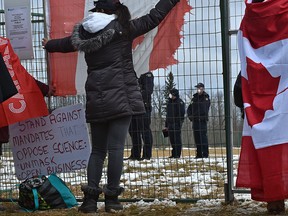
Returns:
(151,51)
(263,47)
(29,101)
(7,87)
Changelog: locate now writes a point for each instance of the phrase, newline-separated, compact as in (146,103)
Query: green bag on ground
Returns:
(41,193)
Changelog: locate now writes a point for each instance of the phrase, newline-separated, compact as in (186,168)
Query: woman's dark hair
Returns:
(124,17)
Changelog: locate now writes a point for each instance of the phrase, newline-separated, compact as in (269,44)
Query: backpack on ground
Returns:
(41,193)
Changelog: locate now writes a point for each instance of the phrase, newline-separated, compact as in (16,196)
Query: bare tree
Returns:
(189,94)
(158,100)
(217,118)
(157,124)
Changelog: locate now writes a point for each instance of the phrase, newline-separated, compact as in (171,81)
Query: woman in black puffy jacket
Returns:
(112,92)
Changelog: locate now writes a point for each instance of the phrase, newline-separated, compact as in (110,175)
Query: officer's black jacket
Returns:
(146,83)
(199,107)
(175,111)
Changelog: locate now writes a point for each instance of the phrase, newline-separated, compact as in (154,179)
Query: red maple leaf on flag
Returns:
(263,163)
(259,91)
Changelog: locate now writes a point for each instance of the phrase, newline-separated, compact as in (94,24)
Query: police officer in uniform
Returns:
(174,119)
(140,125)
(197,112)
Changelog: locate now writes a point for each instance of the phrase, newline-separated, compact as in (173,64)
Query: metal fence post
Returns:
(224,8)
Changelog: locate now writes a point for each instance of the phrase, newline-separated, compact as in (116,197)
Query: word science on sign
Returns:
(56,143)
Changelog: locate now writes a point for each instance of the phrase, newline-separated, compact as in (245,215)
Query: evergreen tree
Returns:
(169,84)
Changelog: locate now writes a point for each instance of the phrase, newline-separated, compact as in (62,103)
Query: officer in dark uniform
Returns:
(175,112)
(198,113)
(140,125)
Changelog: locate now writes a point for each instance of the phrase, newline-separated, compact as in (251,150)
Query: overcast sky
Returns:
(200,54)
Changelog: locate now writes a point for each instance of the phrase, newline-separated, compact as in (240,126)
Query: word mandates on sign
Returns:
(55,143)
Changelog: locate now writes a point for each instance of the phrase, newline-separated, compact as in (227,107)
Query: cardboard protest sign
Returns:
(56,143)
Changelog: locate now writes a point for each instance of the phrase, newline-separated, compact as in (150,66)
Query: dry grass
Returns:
(187,152)
(161,190)
(183,209)
(168,179)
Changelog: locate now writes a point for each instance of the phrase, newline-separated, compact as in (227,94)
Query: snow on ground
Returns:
(162,179)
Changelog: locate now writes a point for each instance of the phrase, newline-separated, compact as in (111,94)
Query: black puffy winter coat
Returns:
(112,90)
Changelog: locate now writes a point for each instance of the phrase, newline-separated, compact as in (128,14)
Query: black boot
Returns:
(276,207)
(2,208)
(112,203)
(90,199)
(111,200)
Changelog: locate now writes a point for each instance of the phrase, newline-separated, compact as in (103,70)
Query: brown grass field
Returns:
(185,209)
(188,152)
(181,209)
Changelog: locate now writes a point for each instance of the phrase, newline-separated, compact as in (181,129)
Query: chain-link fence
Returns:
(201,56)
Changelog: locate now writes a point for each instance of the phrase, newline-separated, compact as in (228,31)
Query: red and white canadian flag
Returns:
(28,102)
(151,51)
(263,46)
